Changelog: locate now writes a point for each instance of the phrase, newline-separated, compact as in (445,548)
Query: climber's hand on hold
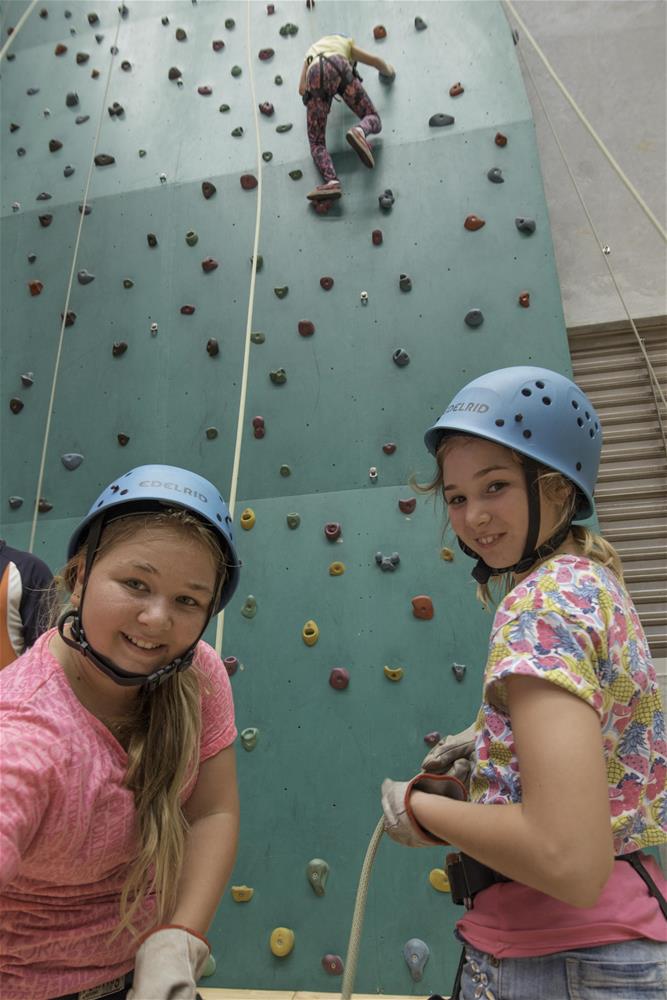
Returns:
(387,71)
(453,755)
(399,820)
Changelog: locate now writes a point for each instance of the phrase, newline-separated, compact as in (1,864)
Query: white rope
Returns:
(587,125)
(56,370)
(11,38)
(656,388)
(220,625)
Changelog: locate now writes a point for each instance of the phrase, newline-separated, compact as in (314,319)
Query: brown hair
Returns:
(161,737)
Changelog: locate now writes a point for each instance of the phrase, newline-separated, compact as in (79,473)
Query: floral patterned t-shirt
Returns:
(572,623)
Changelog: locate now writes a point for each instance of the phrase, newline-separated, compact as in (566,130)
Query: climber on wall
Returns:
(119,819)
(329,69)
(568,752)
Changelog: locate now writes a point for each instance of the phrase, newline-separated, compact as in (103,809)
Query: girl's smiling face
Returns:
(148,597)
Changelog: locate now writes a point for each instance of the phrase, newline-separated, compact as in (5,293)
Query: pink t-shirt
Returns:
(67,826)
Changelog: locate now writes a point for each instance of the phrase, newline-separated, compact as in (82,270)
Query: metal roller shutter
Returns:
(631,495)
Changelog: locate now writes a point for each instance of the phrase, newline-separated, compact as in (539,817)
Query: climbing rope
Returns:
(21,21)
(587,125)
(56,369)
(352,957)
(656,388)
(220,625)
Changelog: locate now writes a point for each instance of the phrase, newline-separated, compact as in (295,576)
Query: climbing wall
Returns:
(365,321)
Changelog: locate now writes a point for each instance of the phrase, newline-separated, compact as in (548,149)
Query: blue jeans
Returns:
(627,970)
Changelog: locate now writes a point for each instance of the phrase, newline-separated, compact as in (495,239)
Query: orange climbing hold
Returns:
(473,223)
(524,299)
(500,139)
(422,607)
(379,31)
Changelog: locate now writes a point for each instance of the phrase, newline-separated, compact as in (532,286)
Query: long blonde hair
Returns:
(161,737)
(554,487)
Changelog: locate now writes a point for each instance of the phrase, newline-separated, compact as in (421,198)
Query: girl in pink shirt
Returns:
(568,755)
(119,823)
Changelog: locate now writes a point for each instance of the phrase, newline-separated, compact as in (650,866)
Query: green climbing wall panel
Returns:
(310,788)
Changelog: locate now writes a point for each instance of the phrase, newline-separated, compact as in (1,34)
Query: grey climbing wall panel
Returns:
(310,787)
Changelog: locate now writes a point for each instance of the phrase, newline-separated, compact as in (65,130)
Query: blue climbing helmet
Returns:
(544,417)
(149,489)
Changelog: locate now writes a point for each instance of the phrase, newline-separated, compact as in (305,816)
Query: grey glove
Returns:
(399,820)
(168,964)
(453,755)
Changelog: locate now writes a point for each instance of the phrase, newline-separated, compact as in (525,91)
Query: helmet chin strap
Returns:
(483,572)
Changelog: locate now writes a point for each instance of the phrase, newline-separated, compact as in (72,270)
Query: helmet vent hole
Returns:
(546,400)
(540,385)
(580,422)
(578,466)
(587,414)
(123,493)
(591,433)
(500,423)
(527,434)
(526,392)
(597,426)
(218,517)
(575,404)
(100,503)
(518,417)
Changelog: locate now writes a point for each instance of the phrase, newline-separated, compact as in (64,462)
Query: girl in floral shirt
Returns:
(569,744)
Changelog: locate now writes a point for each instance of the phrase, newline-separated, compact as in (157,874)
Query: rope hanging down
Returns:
(12,38)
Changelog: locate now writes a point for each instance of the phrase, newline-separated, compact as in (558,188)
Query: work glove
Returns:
(399,820)
(168,963)
(453,755)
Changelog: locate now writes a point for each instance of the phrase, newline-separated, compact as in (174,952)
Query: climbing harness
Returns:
(346,76)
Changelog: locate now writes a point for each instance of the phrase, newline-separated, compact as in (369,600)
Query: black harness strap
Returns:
(636,862)
(345,77)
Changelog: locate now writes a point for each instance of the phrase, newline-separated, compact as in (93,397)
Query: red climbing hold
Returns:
(389,448)
(524,299)
(231,665)
(327,283)
(500,139)
(205,91)
(379,31)
(187,310)
(456,89)
(266,109)
(306,328)
(208,189)
(258,427)
(45,220)
(69,318)
(35,287)
(248,182)
(60,49)
(265,54)
(339,678)
(377,237)
(407,506)
(332,531)
(473,223)
(209,264)
(123,439)
(218,45)
(270,9)
(16,404)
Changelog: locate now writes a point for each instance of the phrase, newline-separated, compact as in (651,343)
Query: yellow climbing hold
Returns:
(439,880)
(447,554)
(248,519)
(336,569)
(281,941)
(310,633)
(242,893)
(393,673)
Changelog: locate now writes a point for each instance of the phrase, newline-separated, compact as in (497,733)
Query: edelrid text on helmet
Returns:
(155,483)
(467,407)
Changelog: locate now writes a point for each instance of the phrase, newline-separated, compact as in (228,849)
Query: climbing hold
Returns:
(407,506)
(296,175)
(376,237)
(270,8)
(35,287)
(20,152)
(401,357)
(293,521)
(326,283)
(142,153)
(212,347)
(208,189)
(59,50)
(288,29)
(126,66)
(266,109)
(116,110)
(248,182)
(447,554)
(188,310)
(208,264)
(68,171)
(265,54)
(364,298)
(248,519)
(27,379)
(81,119)
(439,880)
(474,317)
(205,90)
(473,223)
(174,73)
(123,439)
(387,563)
(70,318)
(456,89)
(242,893)
(422,607)
(71,460)
(154,329)
(16,404)
(191,238)
(230,23)
(458,669)
(32,257)
(500,139)
(317,873)
(373,474)
(336,569)
(379,31)
(236,71)
(281,941)
(284,128)
(333,964)
(85,277)
(525,225)
(15,502)
(218,45)
(440,119)
(278,80)
(420,24)
(72,99)
(416,953)
(495,175)
(211,433)
(31,91)
(257,337)
(281,291)
(104,160)
(249,738)
(44,196)
(119,347)
(231,665)
(285,471)
(259,430)
(55,145)
(306,328)
(279,376)
(432,738)
(339,678)
(393,673)
(332,531)
(267,156)
(310,633)
(181,34)
(93,19)
(44,506)
(249,609)
(386,199)
(151,238)
(389,448)
(524,299)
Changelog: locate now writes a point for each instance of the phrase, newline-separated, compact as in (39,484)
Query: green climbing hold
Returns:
(128,283)
(249,609)
(284,128)
(257,337)
(260,262)
(282,291)
(288,29)
(224,108)
(230,23)
(267,156)
(236,70)
(278,80)
(296,175)
(142,153)
(285,471)
(237,132)
(191,238)
(293,521)
(279,376)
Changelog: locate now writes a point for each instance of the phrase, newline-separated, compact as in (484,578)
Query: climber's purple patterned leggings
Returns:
(354,96)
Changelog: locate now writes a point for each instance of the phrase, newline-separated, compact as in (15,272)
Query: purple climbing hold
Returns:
(265,54)
(332,531)
(339,678)
(326,283)
(407,506)
(231,665)
(205,90)
(432,738)
(218,45)
(333,965)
